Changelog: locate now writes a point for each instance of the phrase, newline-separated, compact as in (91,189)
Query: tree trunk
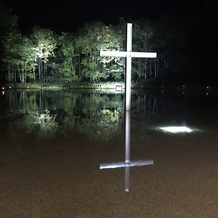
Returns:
(9,79)
(40,69)
(79,61)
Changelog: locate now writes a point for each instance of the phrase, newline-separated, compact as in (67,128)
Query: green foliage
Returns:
(8,24)
(68,124)
(44,43)
(95,37)
(78,53)
(99,117)
(66,42)
(104,126)
(141,34)
(19,57)
(23,124)
(46,124)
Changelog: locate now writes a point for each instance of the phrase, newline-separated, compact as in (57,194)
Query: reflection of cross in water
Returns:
(127,163)
(128,54)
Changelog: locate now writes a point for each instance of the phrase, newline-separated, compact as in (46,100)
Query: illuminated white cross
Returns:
(128,54)
(127,163)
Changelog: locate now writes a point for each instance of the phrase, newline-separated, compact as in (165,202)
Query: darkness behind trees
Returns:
(8,23)
(186,44)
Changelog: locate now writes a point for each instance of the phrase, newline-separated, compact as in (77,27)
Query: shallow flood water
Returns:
(54,144)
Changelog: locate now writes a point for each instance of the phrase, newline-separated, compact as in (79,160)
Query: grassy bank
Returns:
(168,82)
(76,85)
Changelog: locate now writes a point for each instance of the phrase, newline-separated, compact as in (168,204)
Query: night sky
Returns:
(65,15)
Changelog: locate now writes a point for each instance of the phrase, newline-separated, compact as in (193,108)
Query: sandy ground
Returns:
(62,178)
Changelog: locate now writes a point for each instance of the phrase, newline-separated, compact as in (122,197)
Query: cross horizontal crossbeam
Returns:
(125,54)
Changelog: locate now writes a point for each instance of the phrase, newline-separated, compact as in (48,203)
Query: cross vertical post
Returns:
(128,68)
(127,137)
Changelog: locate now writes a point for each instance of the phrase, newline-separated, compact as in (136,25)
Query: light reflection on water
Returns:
(127,163)
(99,115)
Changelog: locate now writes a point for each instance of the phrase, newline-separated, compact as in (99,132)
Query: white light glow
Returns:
(3,87)
(176,129)
(3,93)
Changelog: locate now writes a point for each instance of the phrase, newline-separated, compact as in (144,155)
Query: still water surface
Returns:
(55,142)
(99,115)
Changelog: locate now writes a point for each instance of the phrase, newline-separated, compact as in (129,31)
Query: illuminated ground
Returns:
(63,179)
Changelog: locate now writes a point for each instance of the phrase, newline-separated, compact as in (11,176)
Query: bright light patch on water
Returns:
(176,129)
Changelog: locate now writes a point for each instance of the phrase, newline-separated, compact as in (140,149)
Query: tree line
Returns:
(185,43)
